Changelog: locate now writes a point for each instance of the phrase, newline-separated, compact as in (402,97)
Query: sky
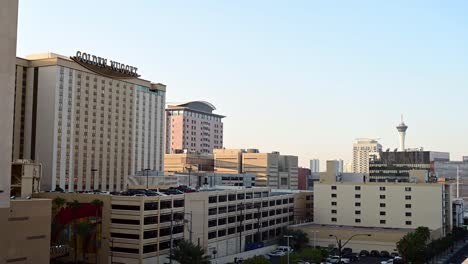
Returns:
(304,78)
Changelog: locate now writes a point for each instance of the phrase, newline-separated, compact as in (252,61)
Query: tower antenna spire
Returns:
(402,131)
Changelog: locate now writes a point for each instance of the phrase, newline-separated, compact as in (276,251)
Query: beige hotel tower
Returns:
(90,121)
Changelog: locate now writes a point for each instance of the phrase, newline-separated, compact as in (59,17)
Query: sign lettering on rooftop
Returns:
(103,66)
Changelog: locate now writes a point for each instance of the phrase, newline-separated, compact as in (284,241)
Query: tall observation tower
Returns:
(402,131)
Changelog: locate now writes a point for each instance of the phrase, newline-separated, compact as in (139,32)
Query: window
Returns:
(408,189)
(408,214)
(382,205)
(333,187)
(212,235)
(212,199)
(382,188)
(357,204)
(357,220)
(357,188)
(212,223)
(333,219)
(382,221)
(407,205)
(382,196)
(333,211)
(408,222)
(357,196)
(333,195)
(212,211)
(357,212)
(221,233)
(408,197)
(333,203)
(382,213)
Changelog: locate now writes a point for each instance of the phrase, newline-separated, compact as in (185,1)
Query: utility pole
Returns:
(340,245)
(288,237)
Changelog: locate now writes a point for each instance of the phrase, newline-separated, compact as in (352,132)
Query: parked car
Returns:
(336,259)
(364,253)
(352,257)
(374,253)
(394,254)
(277,253)
(384,254)
(285,249)
(346,251)
(390,261)
(303,262)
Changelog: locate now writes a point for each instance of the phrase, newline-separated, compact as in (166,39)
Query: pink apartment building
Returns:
(193,127)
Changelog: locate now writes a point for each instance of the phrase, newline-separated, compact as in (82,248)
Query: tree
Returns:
(58,203)
(256,260)
(412,246)
(293,258)
(188,253)
(84,230)
(298,240)
(313,255)
(98,204)
(74,206)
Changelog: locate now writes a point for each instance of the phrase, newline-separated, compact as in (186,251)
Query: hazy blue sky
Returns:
(300,77)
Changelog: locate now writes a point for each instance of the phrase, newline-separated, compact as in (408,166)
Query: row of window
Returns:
(382,221)
(240,207)
(381,188)
(242,196)
(358,204)
(358,196)
(383,213)
(151,205)
(147,248)
(237,229)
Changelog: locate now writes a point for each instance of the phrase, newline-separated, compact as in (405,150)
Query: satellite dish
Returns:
(387,150)
(395,150)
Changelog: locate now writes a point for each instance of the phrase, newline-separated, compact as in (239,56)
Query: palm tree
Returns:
(188,253)
(58,203)
(84,230)
(74,206)
(98,204)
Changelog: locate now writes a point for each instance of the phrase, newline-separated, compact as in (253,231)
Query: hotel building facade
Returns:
(193,127)
(88,124)
(363,150)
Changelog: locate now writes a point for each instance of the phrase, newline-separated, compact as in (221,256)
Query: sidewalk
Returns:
(446,255)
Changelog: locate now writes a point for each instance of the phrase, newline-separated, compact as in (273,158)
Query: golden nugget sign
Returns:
(112,69)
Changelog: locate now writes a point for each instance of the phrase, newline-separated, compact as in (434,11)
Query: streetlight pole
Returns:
(288,237)
(147,174)
(340,246)
(315,232)
(93,170)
